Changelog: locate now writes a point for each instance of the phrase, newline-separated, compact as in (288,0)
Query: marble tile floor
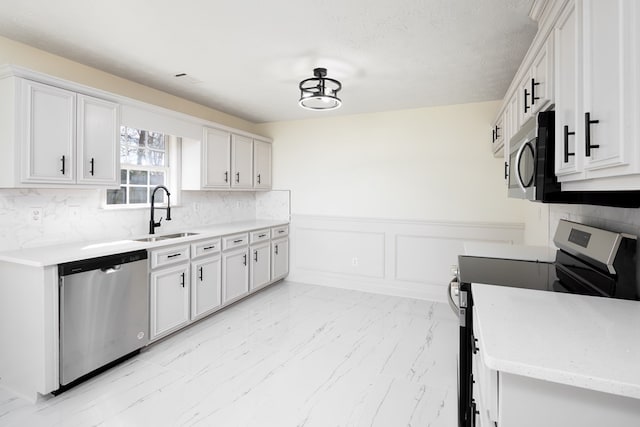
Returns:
(291,355)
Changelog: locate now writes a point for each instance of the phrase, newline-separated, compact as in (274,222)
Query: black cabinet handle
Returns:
(534,98)
(238,177)
(526,104)
(587,134)
(244,259)
(92,162)
(199,274)
(497,134)
(255,256)
(493,135)
(182,279)
(506,167)
(173,255)
(261,235)
(474,346)
(62,160)
(237,241)
(259,181)
(280,231)
(226,176)
(276,249)
(208,247)
(566,144)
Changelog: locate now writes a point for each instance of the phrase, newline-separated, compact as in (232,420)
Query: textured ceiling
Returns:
(247,57)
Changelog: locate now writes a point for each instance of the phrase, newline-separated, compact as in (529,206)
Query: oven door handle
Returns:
(519,155)
(451,289)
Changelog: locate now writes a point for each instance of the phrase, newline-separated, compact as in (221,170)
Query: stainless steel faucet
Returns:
(152,223)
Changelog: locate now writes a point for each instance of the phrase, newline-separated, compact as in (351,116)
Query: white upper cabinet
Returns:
(261,165)
(47,127)
(98,154)
(224,160)
(241,162)
(217,151)
(597,108)
(536,87)
(567,35)
(608,52)
(56,137)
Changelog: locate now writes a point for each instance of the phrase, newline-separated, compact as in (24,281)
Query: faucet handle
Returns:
(157,224)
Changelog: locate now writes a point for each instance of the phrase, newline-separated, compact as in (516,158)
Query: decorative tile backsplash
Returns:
(39,217)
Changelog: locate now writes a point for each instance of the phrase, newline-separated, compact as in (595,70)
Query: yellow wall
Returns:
(426,164)
(12,52)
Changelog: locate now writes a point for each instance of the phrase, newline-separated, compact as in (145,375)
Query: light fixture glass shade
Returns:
(319,92)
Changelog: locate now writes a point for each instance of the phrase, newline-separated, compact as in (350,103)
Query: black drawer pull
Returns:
(209,247)
(62,160)
(506,168)
(238,177)
(244,259)
(259,181)
(182,280)
(276,249)
(261,235)
(226,176)
(238,241)
(280,231)
(173,255)
(92,163)
(255,256)
(200,275)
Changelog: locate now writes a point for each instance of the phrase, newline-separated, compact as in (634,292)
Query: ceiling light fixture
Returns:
(319,92)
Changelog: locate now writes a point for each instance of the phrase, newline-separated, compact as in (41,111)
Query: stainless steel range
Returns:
(589,261)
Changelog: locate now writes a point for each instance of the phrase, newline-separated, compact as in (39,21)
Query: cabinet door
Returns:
(568,133)
(541,83)
(235,274)
(280,258)
(216,157)
(206,286)
(169,299)
(241,162)
(260,266)
(261,164)
(48,122)
(98,142)
(607,30)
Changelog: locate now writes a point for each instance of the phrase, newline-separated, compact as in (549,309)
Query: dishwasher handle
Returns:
(112,269)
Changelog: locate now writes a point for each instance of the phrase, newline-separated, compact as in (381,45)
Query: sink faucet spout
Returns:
(152,223)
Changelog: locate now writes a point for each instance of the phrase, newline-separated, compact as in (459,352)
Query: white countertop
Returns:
(582,341)
(508,251)
(52,255)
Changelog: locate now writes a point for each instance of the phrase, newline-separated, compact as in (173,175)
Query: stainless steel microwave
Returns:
(531,169)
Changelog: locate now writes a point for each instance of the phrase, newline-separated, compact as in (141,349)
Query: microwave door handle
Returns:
(518,160)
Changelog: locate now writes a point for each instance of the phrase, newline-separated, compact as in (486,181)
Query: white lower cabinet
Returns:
(235,274)
(260,273)
(206,286)
(280,258)
(169,299)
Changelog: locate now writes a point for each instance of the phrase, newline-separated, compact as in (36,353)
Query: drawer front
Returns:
(259,236)
(235,241)
(206,247)
(280,231)
(168,256)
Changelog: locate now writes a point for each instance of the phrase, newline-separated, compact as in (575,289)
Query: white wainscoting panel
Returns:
(393,257)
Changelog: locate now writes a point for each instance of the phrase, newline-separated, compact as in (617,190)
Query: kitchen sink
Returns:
(164,237)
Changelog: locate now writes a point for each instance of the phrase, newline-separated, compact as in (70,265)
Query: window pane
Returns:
(138,194)
(156,141)
(159,197)
(156,178)
(156,158)
(138,177)
(117,197)
(123,176)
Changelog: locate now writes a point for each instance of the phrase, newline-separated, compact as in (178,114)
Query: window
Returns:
(144,164)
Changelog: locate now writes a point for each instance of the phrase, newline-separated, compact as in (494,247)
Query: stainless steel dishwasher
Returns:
(104,312)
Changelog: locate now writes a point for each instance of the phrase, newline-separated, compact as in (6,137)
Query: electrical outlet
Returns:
(354,261)
(35,216)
